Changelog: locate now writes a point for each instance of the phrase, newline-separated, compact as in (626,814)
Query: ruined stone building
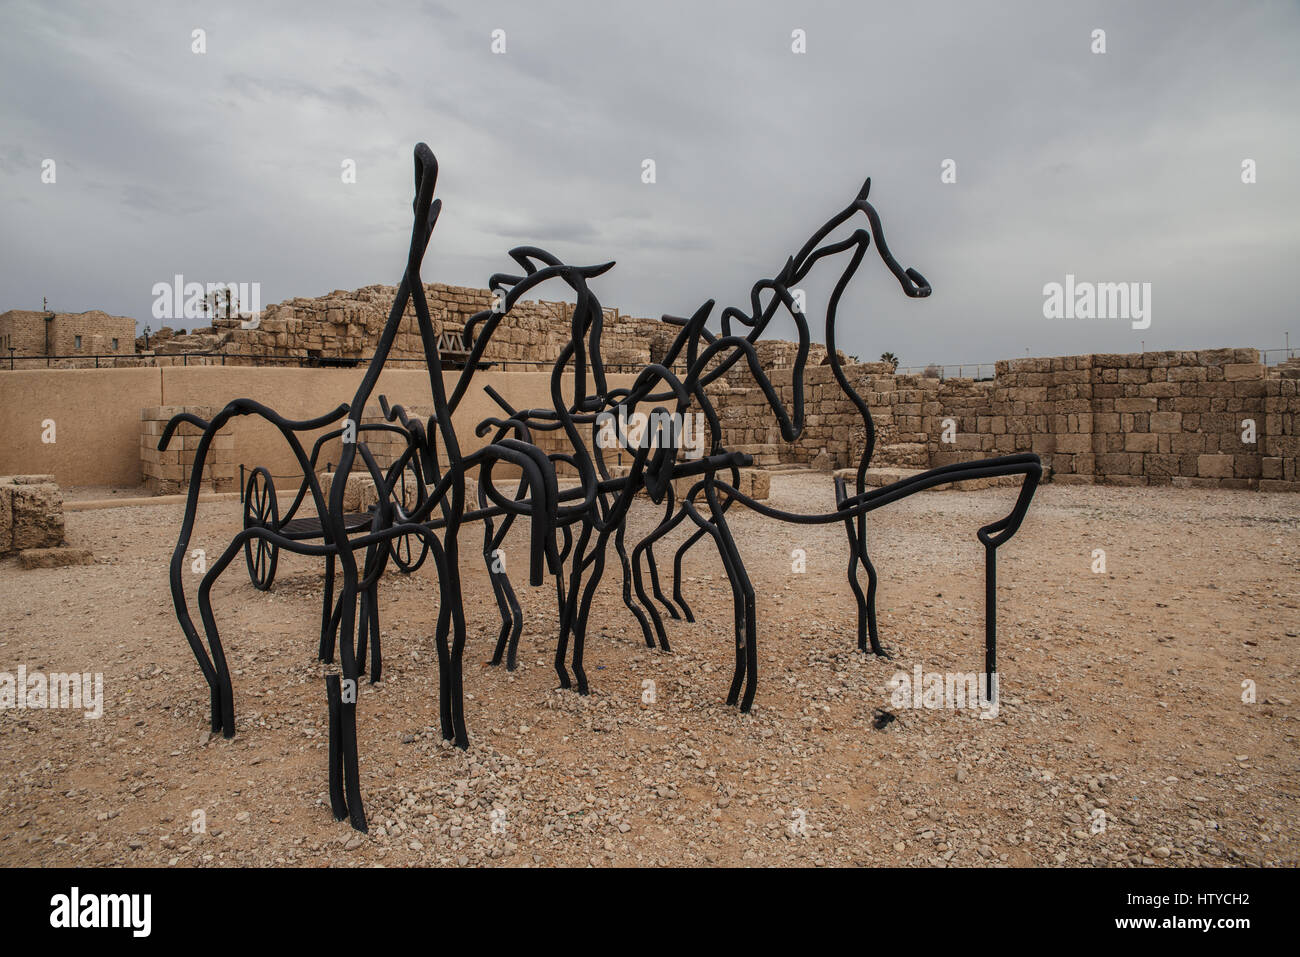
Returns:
(344,326)
(1208,418)
(29,332)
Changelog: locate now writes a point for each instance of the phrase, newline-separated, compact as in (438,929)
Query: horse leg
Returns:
(737,598)
(512,616)
(363,628)
(489,560)
(654,584)
(344,726)
(873,579)
(338,804)
(348,745)
(642,547)
(856,531)
(580,628)
(632,606)
(570,610)
(224,691)
(457,603)
(326,651)
(503,607)
(516,627)
(444,660)
(440,636)
(327,648)
(740,577)
(677,572)
(990,624)
(376,657)
(654,568)
(558,572)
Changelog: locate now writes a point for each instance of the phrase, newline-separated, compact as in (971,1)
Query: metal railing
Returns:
(972,370)
(982,370)
(149,360)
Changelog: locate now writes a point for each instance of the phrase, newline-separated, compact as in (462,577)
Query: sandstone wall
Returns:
(96,417)
(168,472)
(1180,418)
(30,332)
(347,325)
(97,412)
(1156,418)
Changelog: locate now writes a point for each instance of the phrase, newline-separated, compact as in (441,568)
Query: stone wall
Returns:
(33,333)
(1280,463)
(1156,418)
(348,324)
(168,472)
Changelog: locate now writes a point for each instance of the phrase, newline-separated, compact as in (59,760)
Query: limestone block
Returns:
(37,512)
(1243,370)
(1071,443)
(54,557)
(1135,404)
(1166,422)
(1214,466)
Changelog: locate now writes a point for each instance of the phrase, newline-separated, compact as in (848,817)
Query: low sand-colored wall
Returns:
(96,412)
(96,417)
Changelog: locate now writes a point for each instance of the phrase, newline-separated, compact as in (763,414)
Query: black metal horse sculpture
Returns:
(570,529)
(851,509)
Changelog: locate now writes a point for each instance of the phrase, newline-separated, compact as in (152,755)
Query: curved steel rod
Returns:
(569,529)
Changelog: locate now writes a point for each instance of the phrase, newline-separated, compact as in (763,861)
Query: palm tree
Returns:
(224,296)
(890,358)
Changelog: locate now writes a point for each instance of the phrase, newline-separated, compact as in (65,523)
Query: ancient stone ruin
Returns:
(31,522)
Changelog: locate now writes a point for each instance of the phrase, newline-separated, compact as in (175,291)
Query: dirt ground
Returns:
(1122,737)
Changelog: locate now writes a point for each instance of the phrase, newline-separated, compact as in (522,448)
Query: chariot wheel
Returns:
(261,510)
(409,551)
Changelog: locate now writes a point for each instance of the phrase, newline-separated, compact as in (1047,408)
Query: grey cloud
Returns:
(344,96)
(1122,167)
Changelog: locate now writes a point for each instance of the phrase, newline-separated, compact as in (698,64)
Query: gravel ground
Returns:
(1122,737)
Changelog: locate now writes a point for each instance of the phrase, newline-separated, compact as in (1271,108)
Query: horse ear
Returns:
(866,188)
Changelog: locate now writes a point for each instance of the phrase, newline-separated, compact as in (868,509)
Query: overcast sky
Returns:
(226,166)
